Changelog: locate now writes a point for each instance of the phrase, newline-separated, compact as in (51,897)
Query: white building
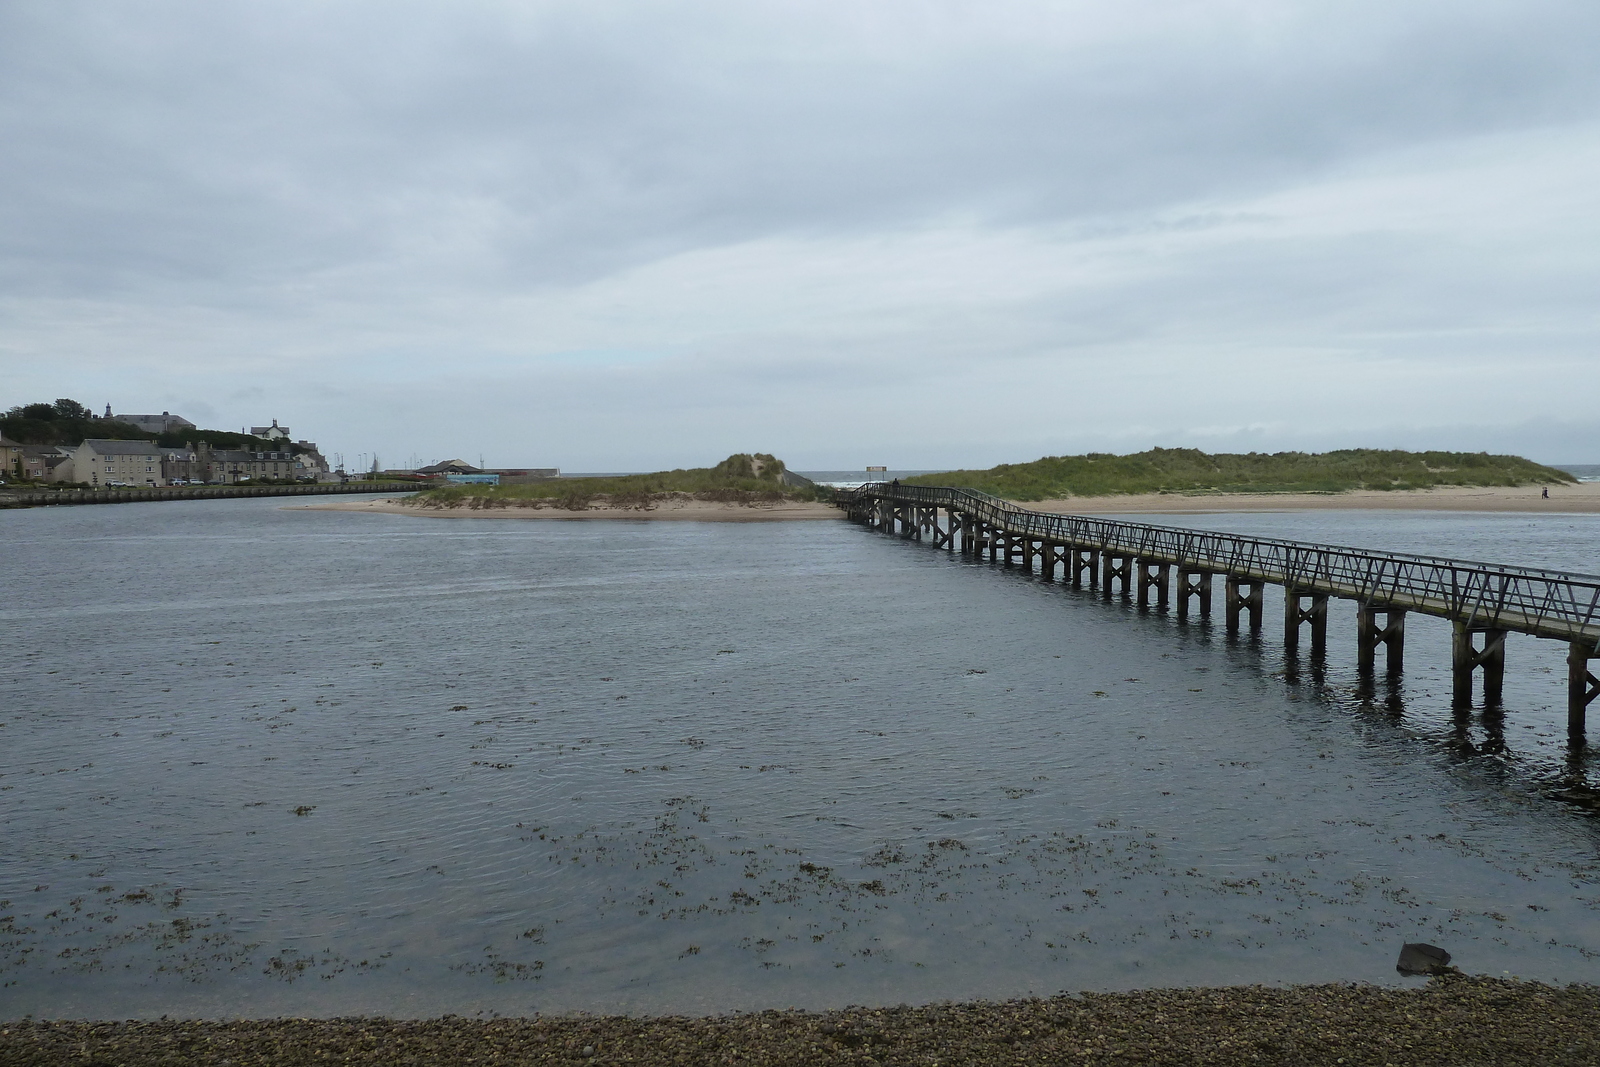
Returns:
(271,433)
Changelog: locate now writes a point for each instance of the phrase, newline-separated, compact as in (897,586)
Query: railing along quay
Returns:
(46,497)
(1482,601)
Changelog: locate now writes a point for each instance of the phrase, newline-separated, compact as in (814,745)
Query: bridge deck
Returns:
(1549,604)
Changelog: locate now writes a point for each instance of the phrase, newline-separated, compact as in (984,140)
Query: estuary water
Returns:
(259,761)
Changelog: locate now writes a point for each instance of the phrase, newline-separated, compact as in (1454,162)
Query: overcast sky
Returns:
(634,235)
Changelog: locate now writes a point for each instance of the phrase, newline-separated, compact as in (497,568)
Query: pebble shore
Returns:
(1454,1019)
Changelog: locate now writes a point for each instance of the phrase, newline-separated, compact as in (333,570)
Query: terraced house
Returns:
(118,463)
(228,465)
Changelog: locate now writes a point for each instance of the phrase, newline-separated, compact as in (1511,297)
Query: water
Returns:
(260,761)
(1584,472)
(851,479)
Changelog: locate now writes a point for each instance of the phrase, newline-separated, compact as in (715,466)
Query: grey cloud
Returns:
(235,145)
(438,196)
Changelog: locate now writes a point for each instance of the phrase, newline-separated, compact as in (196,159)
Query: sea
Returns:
(263,760)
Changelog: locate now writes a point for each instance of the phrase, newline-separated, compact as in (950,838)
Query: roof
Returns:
(124,448)
(9,444)
(240,455)
(459,466)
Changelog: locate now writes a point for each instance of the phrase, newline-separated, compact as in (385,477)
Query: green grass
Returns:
(1188,470)
(741,478)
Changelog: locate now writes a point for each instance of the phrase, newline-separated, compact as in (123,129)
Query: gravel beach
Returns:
(1453,1019)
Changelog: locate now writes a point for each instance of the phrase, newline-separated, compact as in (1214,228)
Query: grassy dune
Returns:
(743,478)
(1188,470)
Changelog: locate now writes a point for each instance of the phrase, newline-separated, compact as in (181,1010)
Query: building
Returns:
(11,462)
(166,422)
(47,463)
(310,465)
(224,466)
(180,467)
(448,466)
(271,433)
(102,463)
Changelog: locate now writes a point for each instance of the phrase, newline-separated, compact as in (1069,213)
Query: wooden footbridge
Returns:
(1483,602)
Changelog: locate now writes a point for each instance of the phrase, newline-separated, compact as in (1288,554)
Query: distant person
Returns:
(1544,493)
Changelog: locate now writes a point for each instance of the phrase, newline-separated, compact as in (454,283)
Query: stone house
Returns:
(228,465)
(47,463)
(11,465)
(102,463)
(162,423)
(178,465)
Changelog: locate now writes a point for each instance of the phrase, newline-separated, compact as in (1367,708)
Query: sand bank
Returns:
(683,510)
(1454,1020)
(1581,498)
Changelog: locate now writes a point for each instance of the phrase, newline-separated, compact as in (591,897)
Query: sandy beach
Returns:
(681,510)
(1582,498)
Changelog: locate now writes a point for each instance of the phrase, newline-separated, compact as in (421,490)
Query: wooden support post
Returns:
(1582,685)
(1369,635)
(1113,566)
(1237,600)
(1153,576)
(1197,584)
(1047,561)
(1465,657)
(1083,560)
(1008,545)
(1294,614)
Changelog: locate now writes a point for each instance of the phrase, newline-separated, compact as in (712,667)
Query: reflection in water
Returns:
(266,761)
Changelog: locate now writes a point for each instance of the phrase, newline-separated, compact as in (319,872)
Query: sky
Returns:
(636,235)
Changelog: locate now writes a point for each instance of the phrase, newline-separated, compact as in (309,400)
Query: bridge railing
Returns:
(1548,603)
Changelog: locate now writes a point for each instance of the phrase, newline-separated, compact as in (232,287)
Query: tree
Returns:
(69,409)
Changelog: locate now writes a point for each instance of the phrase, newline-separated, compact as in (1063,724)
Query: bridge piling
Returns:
(1466,657)
(1242,593)
(1047,561)
(1294,614)
(1116,566)
(1391,635)
(1152,575)
(1196,584)
(1582,685)
(1083,560)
